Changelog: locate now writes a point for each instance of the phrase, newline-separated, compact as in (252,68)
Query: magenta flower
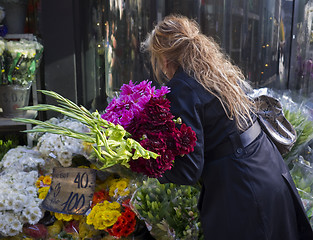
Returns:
(145,113)
(131,102)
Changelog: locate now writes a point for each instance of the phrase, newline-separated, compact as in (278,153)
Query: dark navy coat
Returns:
(247,194)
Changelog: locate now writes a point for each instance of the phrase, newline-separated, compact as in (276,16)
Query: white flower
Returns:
(26,212)
(61,147)
(18,205)
(31,190)
(19,186)
(24,200)
(20,158)
(1,225)
(9,218)
(35,215)
(16,225)
(2,205)
(11,232)
(9,202)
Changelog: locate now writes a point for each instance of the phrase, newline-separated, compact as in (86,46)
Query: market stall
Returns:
(88,178)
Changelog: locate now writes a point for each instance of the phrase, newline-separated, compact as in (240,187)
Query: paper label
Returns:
(71,190)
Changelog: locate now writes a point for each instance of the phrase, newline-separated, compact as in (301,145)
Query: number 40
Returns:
(81,180)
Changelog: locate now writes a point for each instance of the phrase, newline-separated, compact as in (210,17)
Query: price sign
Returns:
(71,190)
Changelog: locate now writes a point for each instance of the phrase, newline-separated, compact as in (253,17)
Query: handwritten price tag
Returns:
(71,190)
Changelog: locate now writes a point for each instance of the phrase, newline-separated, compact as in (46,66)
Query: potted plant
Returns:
(19,61)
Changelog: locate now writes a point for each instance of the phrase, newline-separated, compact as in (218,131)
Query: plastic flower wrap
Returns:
(298,114)
(170,211)
(21,61)
(145,113)
(302,174)
(304,128)
(19,203)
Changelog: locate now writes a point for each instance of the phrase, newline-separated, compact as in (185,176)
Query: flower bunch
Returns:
(19,203)
(119,188)
(59,147)
(170,210)
(145,113)
(20,61)
(111,144)
(104,215)
(110,210)
(43,184)
(125,224)
(131,102)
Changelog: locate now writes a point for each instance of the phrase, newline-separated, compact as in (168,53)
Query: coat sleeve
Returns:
(185,104)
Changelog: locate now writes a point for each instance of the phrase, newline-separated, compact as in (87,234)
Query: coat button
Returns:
(239,150)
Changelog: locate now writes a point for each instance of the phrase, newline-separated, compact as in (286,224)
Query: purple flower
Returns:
(131,102)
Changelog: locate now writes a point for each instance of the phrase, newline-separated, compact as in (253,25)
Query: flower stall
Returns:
(92,175)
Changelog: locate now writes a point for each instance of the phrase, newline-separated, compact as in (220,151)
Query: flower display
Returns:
(19,203)
(109,215)
(168,209)
(145,113)
(110,208)
(19,61)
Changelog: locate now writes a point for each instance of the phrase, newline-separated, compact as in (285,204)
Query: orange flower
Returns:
(47,180)
(99,197)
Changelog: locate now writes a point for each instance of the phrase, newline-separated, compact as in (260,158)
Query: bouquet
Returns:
(59,147)
(19,203)
(170,211)
(19,61)
(108,144)
(145,113)
(110,209)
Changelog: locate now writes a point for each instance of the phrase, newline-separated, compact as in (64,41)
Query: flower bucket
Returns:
(13,97)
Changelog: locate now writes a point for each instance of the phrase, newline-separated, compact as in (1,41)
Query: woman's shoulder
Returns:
(184,84)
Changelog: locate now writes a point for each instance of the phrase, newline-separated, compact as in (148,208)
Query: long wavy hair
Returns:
(179,40)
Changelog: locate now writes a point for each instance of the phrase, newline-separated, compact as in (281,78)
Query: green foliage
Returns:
(304,129)
(169,208)
(6,145)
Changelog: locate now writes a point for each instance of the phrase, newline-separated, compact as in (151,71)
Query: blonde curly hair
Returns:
(179,40)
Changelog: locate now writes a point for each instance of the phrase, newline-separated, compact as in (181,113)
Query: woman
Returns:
(247,191)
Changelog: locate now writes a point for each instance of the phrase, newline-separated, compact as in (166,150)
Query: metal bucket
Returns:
(13,97)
